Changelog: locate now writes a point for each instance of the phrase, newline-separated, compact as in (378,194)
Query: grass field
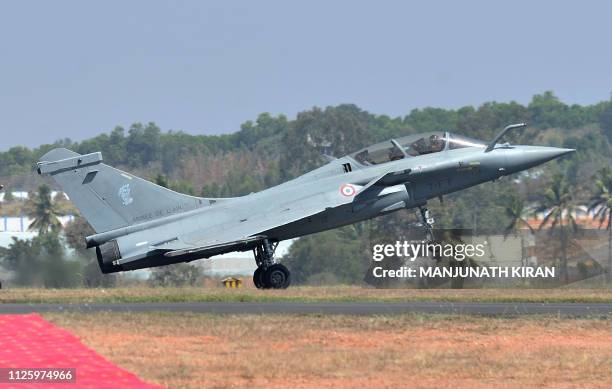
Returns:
(192,351)
(306,294)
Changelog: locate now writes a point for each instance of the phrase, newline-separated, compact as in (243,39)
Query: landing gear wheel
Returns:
(258,278)
(269,273)
(277,276)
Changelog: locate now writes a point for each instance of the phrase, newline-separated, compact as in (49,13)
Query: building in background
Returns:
(21,195)
(17,227)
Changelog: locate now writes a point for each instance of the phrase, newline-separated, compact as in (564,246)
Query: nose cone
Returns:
(524,157)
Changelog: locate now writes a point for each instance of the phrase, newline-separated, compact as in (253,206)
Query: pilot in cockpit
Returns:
(436,143)
(419,146)
(433,144)
(364,157)
(395,154)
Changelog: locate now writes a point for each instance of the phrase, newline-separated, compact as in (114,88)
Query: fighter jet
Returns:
(139,224)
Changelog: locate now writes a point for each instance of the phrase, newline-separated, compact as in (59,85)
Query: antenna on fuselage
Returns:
(501,134)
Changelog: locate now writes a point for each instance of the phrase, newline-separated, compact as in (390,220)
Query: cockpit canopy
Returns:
(412,146)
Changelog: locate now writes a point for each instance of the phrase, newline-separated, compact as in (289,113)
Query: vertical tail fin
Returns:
(110,198)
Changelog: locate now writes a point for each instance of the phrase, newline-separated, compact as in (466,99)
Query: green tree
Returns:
(180,274)
(546,110)
(601,206)
(40,262)
(44,212)
(177,186)
(162,180)
(57,271)
(431,119)
(21,257)
(212,190)
(453,237)
(333,131)
(518,214)
(559,207)
(605,119)
(143,144)
(327,255)
(8,195)
(182,186)
(75,233)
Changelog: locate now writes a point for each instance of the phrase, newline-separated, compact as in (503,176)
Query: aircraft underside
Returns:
(139,224)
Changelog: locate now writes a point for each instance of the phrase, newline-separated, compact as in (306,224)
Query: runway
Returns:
(330,308)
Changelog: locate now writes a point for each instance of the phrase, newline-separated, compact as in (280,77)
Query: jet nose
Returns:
(539,154)
(525,157)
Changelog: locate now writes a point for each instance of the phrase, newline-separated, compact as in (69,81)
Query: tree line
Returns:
(272,149)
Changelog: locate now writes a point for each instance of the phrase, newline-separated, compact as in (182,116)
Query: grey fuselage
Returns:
(326,200)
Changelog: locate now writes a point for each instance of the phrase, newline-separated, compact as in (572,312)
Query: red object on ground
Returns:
(29,341)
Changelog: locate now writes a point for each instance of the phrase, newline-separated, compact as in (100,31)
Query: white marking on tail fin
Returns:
(125,193)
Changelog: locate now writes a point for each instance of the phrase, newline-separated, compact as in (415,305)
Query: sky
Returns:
(75,69)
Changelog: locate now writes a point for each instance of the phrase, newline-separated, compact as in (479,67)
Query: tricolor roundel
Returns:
(348,190)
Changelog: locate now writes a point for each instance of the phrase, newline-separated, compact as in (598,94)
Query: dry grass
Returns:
(189,350)
(308,294)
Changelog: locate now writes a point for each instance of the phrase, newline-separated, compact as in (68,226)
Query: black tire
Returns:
(258,278)
(277,276)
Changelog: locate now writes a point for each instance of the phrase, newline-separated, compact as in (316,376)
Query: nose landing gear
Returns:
(269,273)
(428,223)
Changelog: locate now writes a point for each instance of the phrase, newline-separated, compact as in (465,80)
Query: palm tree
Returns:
(43,211)
(601,206)
(559,206)
(518,214)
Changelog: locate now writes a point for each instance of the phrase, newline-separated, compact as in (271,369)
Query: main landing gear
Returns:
(269,273)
